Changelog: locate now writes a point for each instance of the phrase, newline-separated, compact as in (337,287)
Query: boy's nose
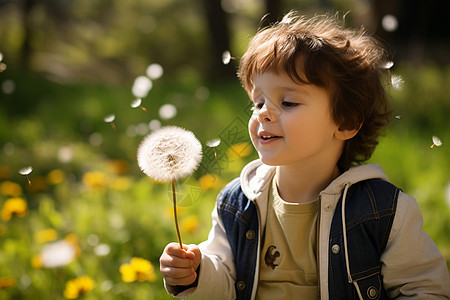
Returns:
(266,115)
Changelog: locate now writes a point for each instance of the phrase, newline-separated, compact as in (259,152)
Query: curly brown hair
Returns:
(348,63)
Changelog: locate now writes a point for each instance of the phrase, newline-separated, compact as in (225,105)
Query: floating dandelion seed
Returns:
(167,111)
(167,154)
(398,117)
(137,103)
(154,71)
(397,82)
(213,144)
(387,65)
(436,142)
(226,57)
(2,65)
(110,119)
(141,86)
(26,171)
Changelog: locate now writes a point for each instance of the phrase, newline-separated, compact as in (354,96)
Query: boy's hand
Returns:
(178,266)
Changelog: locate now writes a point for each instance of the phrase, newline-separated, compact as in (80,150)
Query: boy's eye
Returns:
(257,106)
(289,104)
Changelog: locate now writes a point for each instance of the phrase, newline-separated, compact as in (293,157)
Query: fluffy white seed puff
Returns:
(169,153)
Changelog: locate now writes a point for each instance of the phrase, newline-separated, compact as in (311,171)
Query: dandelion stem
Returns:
(29,181)
(215,153)
(175,213)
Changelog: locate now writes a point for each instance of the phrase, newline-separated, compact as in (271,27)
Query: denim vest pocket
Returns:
(371,287)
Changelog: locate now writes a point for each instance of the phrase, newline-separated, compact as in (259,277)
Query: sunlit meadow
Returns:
(80,220)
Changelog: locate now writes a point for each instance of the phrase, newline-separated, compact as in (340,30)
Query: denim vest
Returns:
(370,209)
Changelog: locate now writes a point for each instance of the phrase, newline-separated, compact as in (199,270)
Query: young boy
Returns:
(307,220)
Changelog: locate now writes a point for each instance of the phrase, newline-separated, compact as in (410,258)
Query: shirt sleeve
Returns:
(217,271)
(412,265)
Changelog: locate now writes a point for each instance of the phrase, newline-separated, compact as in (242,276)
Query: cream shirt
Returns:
(288,268)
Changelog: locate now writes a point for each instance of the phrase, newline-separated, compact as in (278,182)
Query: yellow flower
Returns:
(7,282)
(14,207)
(190,224)
(210,181)
(45,236)
(72,239)
(55,177)
(94,180)
(9,188)
(78,287)
(36,261)
(239,150)
(138,269)
(120,184)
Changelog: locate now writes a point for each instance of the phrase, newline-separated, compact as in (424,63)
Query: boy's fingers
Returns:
(173,249)
(174,261)
(181,281)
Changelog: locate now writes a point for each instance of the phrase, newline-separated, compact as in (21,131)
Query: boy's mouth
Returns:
(264,135)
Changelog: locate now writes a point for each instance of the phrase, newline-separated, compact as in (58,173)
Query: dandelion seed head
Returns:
(226,57)
(397,82)
(213,142)
(436,141)
(26,170)
(169,153)
(1,56)
(154,71)
(136,103)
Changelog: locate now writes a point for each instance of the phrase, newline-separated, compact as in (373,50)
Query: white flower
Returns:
(57,254)
(436,142)
(169,153)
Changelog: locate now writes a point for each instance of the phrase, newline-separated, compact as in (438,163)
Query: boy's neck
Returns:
(298,185)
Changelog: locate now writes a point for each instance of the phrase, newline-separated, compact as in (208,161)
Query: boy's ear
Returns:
(345,134)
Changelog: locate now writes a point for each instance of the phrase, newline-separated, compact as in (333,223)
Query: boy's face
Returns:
(292,123)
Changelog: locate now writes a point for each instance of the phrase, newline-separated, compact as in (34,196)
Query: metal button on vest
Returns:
(250,235)
(335,248)
(372,292)
(241,285)
(328,206)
